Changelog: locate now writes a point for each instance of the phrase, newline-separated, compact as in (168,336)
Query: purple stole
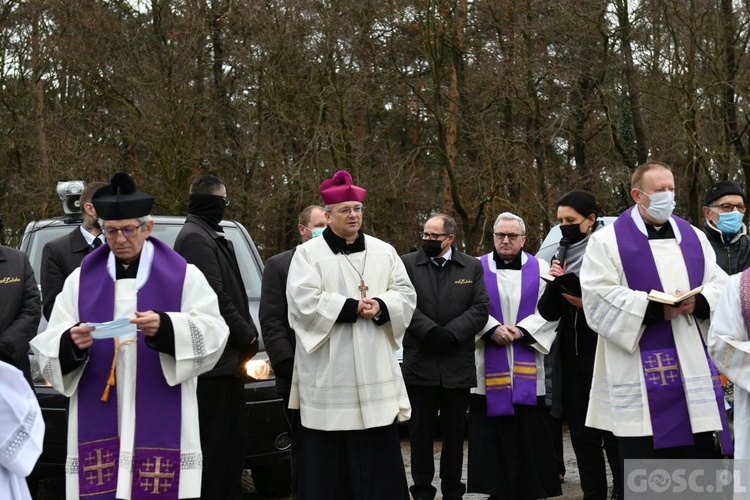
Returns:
(502,392)
(156,460)
(670,418)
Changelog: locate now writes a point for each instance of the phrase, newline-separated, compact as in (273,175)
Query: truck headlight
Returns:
(259,367)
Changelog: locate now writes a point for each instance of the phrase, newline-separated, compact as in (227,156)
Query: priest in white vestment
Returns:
(21,433)
(511,449)
(350,301)
(133,421)
(654,385)
(729,345)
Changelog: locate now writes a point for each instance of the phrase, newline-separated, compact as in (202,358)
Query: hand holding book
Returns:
(674,305)
(673,300)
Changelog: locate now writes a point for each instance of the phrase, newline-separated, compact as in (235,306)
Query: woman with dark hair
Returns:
(573,362)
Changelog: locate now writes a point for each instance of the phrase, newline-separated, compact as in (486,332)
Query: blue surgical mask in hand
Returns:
(112,329)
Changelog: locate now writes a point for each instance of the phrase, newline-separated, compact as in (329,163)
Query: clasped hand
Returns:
(368,308)
(505,334)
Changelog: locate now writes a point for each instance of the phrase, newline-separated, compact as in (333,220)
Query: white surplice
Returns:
(346,376)
(543,331)
(729,346)
(618,400)
(200,336)
(21,433)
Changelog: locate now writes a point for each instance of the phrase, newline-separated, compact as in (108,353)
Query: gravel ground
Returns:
(571,488)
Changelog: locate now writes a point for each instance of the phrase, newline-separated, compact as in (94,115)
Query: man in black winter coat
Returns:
(221,403)
(438,367)
(277,334)
(21,310)
(64,254)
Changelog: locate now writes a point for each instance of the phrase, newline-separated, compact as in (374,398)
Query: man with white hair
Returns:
(511,451)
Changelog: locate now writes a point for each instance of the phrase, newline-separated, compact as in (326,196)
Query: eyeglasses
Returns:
(728,207)
(127,231)
(432,236)
(510,236)
(346,211)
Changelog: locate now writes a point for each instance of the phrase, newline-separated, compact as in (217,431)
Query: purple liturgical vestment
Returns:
(156,461)
(502,389)
(149,408)
(668,408)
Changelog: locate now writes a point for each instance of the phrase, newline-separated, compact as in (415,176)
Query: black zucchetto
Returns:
(121,200)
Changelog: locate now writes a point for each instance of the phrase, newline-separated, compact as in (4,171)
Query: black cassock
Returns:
(511,457)
(352,465)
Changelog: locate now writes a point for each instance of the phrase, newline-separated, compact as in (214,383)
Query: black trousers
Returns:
(556,429)
(295,435)
(451,404)
(223,426)
(352,465)
(642,448)
(590,445)
(512,457)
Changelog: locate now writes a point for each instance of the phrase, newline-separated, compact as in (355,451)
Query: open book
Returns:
(568,283)
(666,298)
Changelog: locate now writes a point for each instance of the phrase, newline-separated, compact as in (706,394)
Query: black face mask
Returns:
(432,247)
(572,232)
(208,207)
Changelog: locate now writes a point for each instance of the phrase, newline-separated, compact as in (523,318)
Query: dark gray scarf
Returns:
(574,259)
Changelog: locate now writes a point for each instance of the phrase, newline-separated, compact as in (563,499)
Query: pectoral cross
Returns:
(363,288)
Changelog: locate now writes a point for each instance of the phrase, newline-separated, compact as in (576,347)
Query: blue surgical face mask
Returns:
(317,231)
(730,223)
(661,205)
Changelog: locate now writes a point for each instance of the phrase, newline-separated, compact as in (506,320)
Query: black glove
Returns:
(249,351)
(284,369)
(441,339)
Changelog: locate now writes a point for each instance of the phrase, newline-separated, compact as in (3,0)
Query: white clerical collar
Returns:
(90,237)
(636,214)
(144,265)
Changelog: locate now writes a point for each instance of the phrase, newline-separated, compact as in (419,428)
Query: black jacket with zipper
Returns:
(450,301)
(734,256)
